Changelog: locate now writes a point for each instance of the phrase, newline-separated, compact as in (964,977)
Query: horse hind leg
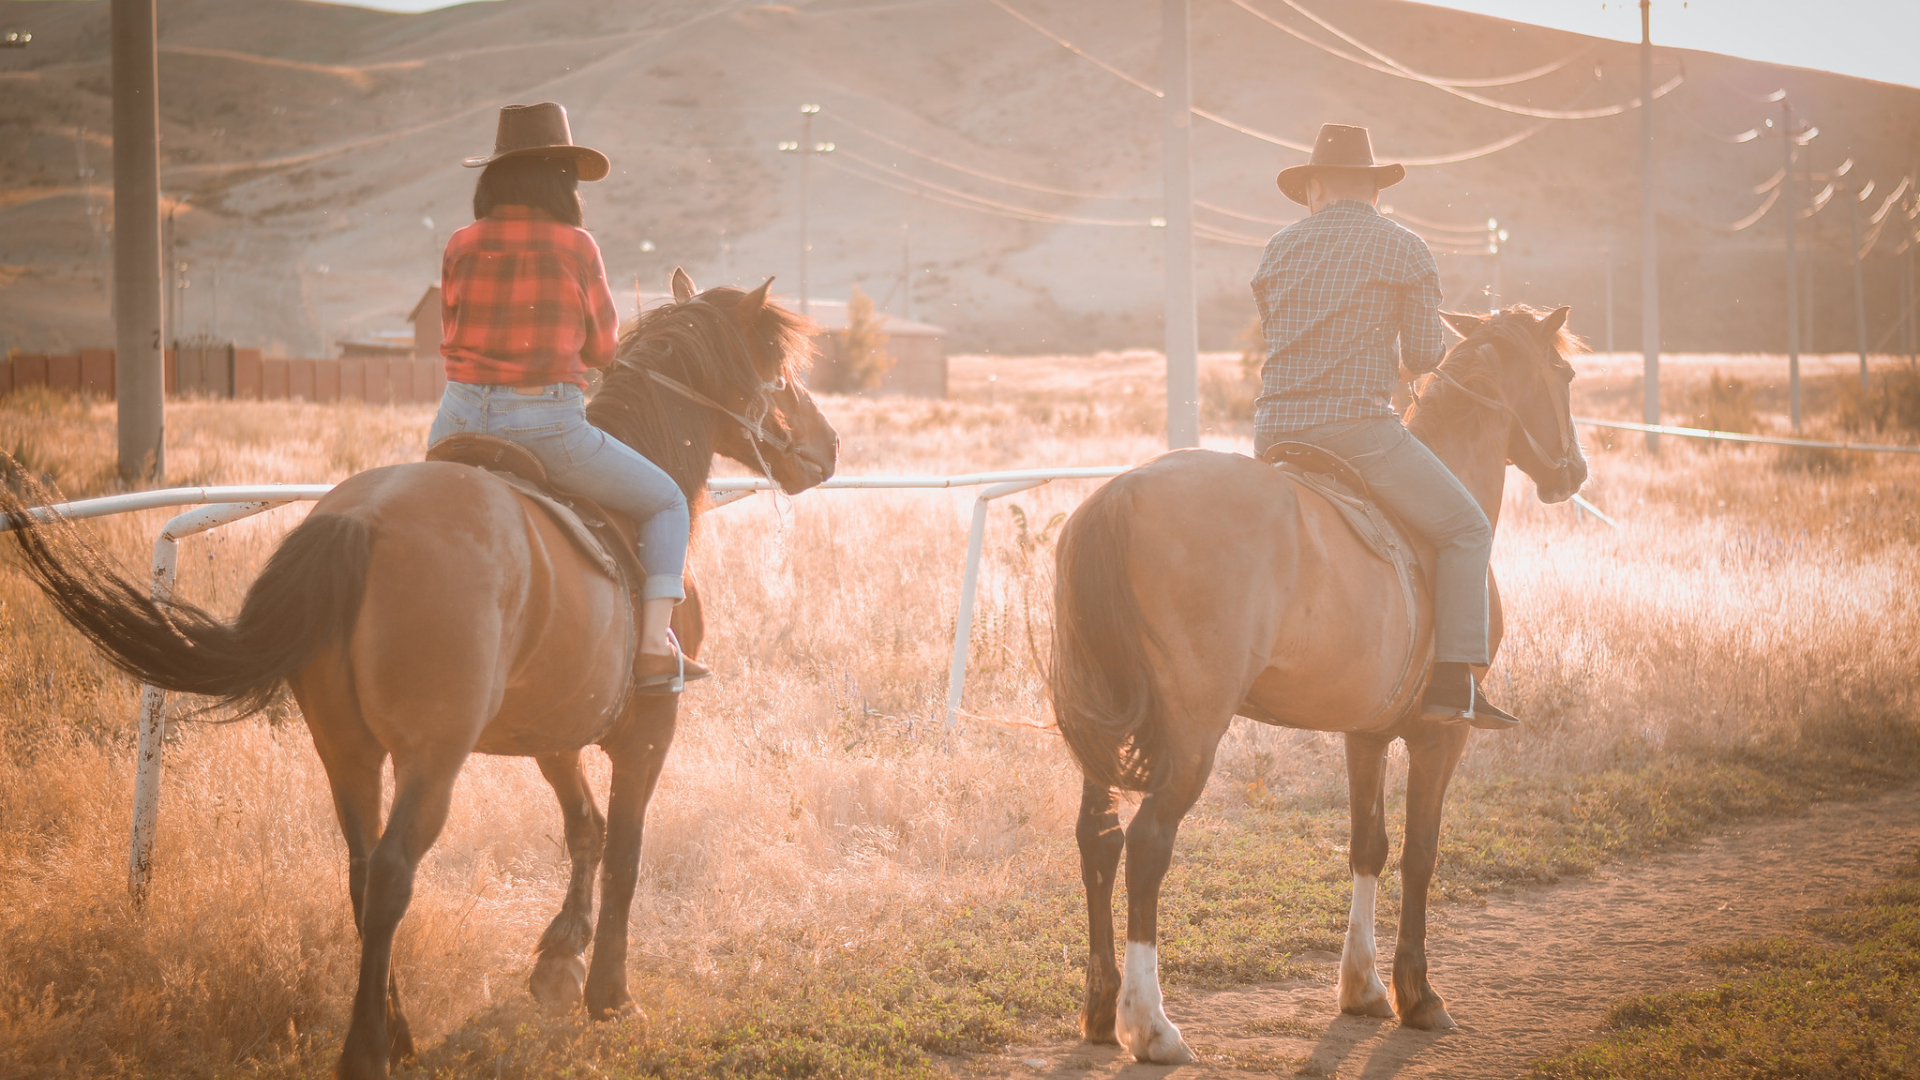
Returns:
(1101,842)
(559,976)
(1140,1021)
(1361,992)
(424,789)
(1432,753)
(354,759)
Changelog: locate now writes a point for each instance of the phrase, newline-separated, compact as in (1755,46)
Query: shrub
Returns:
(1893,406)
(858,359)
(1725,404)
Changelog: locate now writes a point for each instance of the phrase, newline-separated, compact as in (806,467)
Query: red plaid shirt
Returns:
(524,302)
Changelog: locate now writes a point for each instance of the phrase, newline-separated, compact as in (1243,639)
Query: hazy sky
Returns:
(1877,39)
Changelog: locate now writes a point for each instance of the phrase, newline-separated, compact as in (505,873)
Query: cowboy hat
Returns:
(541,131)
(1340,147)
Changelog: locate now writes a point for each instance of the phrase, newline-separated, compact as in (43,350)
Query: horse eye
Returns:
(778,384)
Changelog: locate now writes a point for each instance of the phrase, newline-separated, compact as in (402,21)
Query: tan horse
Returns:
(428,611)
(1204,585)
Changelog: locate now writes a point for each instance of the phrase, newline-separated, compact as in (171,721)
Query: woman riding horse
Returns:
(525,311)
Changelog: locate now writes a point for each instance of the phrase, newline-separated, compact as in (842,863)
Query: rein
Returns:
(775,440)
(1566,435)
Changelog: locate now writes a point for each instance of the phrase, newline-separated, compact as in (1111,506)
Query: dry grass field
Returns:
(833,884)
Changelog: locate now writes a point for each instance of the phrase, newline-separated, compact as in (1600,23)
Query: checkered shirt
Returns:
(524,302)
(1335,291)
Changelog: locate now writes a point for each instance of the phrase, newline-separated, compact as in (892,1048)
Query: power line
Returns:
(1255,133)
(894,180)
(1008,181)
(1045,189)
(1401,72)
(1517,110)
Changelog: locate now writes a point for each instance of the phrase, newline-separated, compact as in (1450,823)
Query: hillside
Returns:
(310,145)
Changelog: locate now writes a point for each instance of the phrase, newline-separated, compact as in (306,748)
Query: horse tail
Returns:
(306,599)
(1104,695)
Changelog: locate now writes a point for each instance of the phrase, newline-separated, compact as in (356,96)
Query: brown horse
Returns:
(1204,585)
(428,611)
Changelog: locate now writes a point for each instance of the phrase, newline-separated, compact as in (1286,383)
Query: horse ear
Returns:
(751,303)
(1465,323)
(1554,320)
(683,288)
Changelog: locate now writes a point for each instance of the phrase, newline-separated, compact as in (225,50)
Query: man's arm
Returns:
(1422,337)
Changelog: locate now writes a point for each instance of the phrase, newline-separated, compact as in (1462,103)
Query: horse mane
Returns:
(700,343)
(1512,331)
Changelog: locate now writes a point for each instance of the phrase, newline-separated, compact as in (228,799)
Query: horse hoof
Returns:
(1429,1017)
(558,983)
(1167,1052)
(1377,1007)
(1099,1032)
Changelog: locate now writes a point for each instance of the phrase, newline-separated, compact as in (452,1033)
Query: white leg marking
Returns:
(1141,1023)
(1360,988)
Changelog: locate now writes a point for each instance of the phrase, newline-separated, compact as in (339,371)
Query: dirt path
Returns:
(1534,970)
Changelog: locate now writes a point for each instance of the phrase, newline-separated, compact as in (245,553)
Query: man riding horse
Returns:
(1337,291)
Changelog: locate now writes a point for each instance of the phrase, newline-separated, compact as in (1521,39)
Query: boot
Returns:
(667,673)
(1449,696)
(1490,717)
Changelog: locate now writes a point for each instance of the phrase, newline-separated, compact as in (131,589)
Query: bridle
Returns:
(1567,445)
(773,439)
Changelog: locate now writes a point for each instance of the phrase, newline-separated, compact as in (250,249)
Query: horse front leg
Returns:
(1140,1021)
(1361,992)
(1101,842)
(1433,750)
(637,751)
(559,975)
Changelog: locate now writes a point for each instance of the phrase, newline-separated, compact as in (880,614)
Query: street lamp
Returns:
(806,148)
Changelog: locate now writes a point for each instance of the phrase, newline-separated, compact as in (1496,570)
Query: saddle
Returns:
(1334,479)
(601,536)
(605,538)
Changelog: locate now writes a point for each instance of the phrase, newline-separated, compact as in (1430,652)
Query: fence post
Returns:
(153,700)
(969,584)
(153,734)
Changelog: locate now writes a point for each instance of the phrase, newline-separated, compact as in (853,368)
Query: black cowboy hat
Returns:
(1340,148)
(541,131)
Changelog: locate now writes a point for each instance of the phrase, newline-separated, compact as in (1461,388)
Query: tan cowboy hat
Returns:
(541,131)
(1342,147)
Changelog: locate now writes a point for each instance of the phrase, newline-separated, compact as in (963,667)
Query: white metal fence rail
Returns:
(220,505)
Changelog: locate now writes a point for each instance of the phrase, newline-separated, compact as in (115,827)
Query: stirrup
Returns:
(1490,717)
(675,681)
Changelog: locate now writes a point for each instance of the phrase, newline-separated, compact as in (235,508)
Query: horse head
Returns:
(735,356)
(1516,360)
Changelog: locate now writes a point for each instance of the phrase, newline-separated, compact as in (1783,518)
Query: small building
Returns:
(379,345)
(919,350)
(425,318)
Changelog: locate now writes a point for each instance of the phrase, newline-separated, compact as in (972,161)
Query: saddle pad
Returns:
(570,522)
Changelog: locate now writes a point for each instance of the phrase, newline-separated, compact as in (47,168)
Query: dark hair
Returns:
(551,184)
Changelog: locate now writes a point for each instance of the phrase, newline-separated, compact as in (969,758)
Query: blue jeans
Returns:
(1408,480)
(583,460)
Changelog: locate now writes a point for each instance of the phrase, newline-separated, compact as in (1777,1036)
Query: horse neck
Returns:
(1474,448)
(681,443)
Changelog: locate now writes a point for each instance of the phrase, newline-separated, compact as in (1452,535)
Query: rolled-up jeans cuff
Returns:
(664,587)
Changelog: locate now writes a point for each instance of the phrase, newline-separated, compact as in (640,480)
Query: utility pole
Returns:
(138,331)
(1183,332)
(1792,212)
(1649,235)
(1859,282)
(1496,242)
(806,148)
(1607,253)
(906,266)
